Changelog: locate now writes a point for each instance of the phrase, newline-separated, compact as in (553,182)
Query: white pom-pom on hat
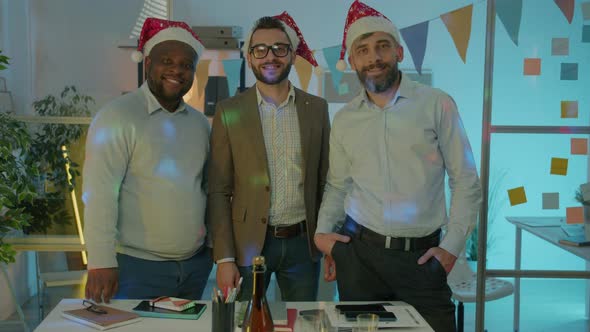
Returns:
(341,65)
(136,56)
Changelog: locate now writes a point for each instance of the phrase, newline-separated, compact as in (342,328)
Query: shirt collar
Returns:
(404,91)
(290,96)
(153,104)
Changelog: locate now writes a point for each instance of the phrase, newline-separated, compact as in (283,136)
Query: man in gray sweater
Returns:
(144,180)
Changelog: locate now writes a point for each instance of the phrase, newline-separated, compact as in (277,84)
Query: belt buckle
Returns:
(274,231)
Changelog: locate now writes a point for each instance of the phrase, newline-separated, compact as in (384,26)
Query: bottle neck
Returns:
(258,293)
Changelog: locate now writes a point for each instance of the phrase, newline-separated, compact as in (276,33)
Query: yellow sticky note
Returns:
(569,109)
(532,66)
(574,215)
(559,166)
(517,196)
(579,145)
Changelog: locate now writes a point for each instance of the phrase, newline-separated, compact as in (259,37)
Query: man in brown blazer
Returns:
(269,159)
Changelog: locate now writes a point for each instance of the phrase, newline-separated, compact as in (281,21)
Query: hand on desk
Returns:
(228,275)
(445,258)
(102,284)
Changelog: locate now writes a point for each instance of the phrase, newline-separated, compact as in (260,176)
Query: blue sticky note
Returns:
(586,34)
(569,71)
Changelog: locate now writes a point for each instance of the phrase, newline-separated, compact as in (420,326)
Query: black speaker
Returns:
(215,90)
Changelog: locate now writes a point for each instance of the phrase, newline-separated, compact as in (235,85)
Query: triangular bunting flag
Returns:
(332,54)
(232,72)
(458,23)
(415,37)
(567,8)
(202,76)
(510,14)
(303,69)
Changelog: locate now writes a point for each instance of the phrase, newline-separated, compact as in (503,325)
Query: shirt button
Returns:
(263,220)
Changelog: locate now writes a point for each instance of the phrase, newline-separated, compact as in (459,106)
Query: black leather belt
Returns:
(285,232)
(353,229)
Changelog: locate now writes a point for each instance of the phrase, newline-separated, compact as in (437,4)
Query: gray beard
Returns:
(376,85)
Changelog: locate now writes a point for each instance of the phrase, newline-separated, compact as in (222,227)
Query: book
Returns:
(172,303)
(578,241)
(144,308)
(109,319)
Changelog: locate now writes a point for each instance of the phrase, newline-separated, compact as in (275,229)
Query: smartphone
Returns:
(384,316)
(311,312)
(372,307)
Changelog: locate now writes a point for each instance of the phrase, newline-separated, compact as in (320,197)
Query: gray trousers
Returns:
(365,272)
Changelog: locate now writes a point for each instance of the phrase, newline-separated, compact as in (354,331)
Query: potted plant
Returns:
(16,187)
(495,200)
(579,196)
(49,207)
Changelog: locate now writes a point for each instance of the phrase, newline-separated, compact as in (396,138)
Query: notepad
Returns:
(144,308)
(172,303)
(111,319)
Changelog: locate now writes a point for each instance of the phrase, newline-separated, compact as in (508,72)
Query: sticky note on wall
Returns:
(517,196)
(558,166)
(569,109)
(550,201)
(560,46)
(574,215)
(579,145)
(532,66)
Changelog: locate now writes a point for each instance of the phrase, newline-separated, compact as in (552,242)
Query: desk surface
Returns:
(45,243)
(55,322)
(548,228)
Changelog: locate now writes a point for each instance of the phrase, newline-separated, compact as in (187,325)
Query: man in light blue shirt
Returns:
(389,150)
(144,179)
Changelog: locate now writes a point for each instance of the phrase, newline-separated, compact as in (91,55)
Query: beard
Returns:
(160,92)
(383,82)
(269,80)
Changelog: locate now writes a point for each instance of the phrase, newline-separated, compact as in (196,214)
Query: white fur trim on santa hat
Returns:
(173,33)
(290,33)
(370,24)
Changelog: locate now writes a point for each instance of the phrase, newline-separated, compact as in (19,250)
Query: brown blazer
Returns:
(239,184)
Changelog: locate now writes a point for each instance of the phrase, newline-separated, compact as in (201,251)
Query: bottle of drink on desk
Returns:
(258,317)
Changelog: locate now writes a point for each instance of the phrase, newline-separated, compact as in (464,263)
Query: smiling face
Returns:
(271,69)
(170,69)
(375,57)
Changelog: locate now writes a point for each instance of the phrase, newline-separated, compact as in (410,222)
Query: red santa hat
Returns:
(298,44)
(362,19)
(155,31)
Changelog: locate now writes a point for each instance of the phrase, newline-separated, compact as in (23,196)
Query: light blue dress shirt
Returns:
(387,167)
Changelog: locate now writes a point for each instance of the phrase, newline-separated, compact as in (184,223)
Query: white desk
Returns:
(54,243)
(548,229)
(54,322)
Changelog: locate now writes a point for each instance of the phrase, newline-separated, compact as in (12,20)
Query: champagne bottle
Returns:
(258,318)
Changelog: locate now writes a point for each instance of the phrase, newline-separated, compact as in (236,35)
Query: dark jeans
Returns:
(368,273)
(289,259)
(146,279)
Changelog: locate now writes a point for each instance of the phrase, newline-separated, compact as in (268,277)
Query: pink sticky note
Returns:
(532,66)
(579,145)
(574,215)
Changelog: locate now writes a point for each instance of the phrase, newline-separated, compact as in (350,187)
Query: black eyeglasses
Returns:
(93,308)
(260,51)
